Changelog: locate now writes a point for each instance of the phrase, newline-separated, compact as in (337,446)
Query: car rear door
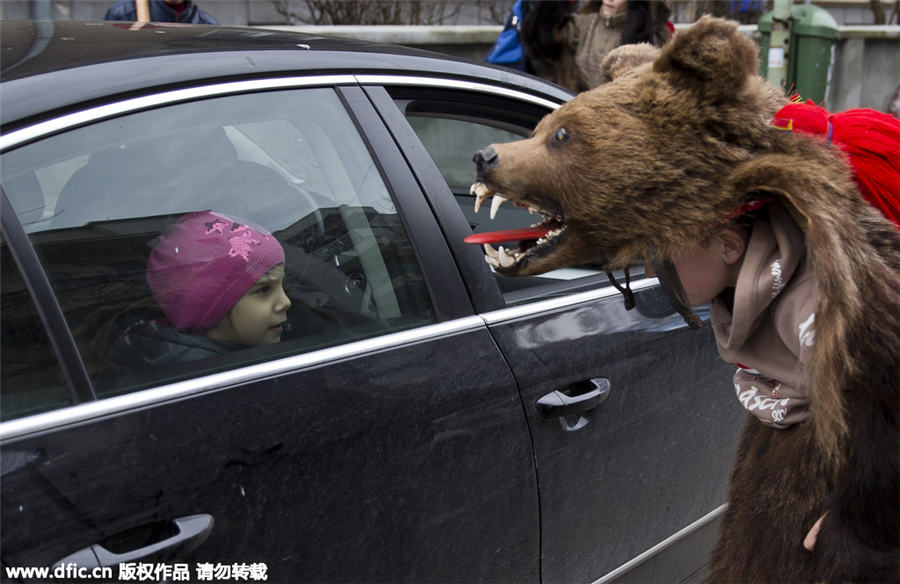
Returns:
(383,439)
(631,413)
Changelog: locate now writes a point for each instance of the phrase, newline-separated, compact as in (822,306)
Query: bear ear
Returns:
(800,217)
(711,57)
(626,58)
(779,177)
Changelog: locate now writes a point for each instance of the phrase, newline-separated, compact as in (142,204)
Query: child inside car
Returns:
(219,282)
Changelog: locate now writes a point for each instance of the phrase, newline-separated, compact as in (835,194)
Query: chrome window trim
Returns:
(20,427)
(94,114)
(376,79)
(541,306)
(41,129)
(189,388)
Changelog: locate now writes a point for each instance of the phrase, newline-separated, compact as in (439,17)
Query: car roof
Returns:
(97,61)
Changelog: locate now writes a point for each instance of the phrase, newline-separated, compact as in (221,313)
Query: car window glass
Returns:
(95,201)
(30,377)
(451,142)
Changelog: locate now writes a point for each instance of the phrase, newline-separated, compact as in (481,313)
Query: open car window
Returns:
(95,200)
(451,133)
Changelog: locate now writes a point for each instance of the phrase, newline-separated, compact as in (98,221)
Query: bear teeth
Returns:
(481,192)
(507,258)
(495,204)
(501,258)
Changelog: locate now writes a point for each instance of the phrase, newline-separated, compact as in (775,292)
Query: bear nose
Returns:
(485,159)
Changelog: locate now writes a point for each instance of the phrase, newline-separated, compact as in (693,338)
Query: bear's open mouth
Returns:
(539,240)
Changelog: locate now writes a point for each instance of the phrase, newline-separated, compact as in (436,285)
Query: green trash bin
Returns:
(814,33)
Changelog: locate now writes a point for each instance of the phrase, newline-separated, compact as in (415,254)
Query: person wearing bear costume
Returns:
(677,158)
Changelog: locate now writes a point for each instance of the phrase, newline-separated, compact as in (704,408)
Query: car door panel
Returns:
(648,461)
(400,457)
(653,457)
(675,559)
(388,457)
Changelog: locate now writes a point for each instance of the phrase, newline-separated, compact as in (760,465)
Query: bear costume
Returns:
(676,142)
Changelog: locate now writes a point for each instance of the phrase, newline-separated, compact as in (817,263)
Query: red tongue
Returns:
(507,235)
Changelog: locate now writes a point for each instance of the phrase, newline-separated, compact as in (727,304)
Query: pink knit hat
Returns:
(204,263)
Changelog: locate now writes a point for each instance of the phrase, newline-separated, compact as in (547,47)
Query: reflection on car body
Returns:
(395,432)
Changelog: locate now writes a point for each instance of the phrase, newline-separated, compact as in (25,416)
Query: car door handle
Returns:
(192,532)
(557,404)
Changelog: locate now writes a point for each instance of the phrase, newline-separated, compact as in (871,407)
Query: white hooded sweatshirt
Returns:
(770,329)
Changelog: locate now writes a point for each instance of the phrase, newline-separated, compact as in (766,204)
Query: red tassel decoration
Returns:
(871,140)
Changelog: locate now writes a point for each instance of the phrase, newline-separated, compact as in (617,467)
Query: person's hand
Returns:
(809,542)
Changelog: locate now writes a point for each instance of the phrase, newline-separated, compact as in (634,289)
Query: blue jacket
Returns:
(507,50)
(159,12)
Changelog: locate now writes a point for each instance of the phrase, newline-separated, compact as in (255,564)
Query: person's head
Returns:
(221,277)
(646,22)
(707,269)
(612,7)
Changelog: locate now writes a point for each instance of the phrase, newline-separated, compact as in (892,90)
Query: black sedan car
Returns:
(421,419)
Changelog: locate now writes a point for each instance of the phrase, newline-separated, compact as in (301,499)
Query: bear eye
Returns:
(561,135)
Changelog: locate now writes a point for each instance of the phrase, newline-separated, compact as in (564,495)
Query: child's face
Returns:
(706,270)
(258,316)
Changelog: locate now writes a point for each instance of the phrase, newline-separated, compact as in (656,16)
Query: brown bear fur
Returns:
(650,163)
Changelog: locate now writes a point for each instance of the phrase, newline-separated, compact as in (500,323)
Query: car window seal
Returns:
(447,292)
(73,370)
